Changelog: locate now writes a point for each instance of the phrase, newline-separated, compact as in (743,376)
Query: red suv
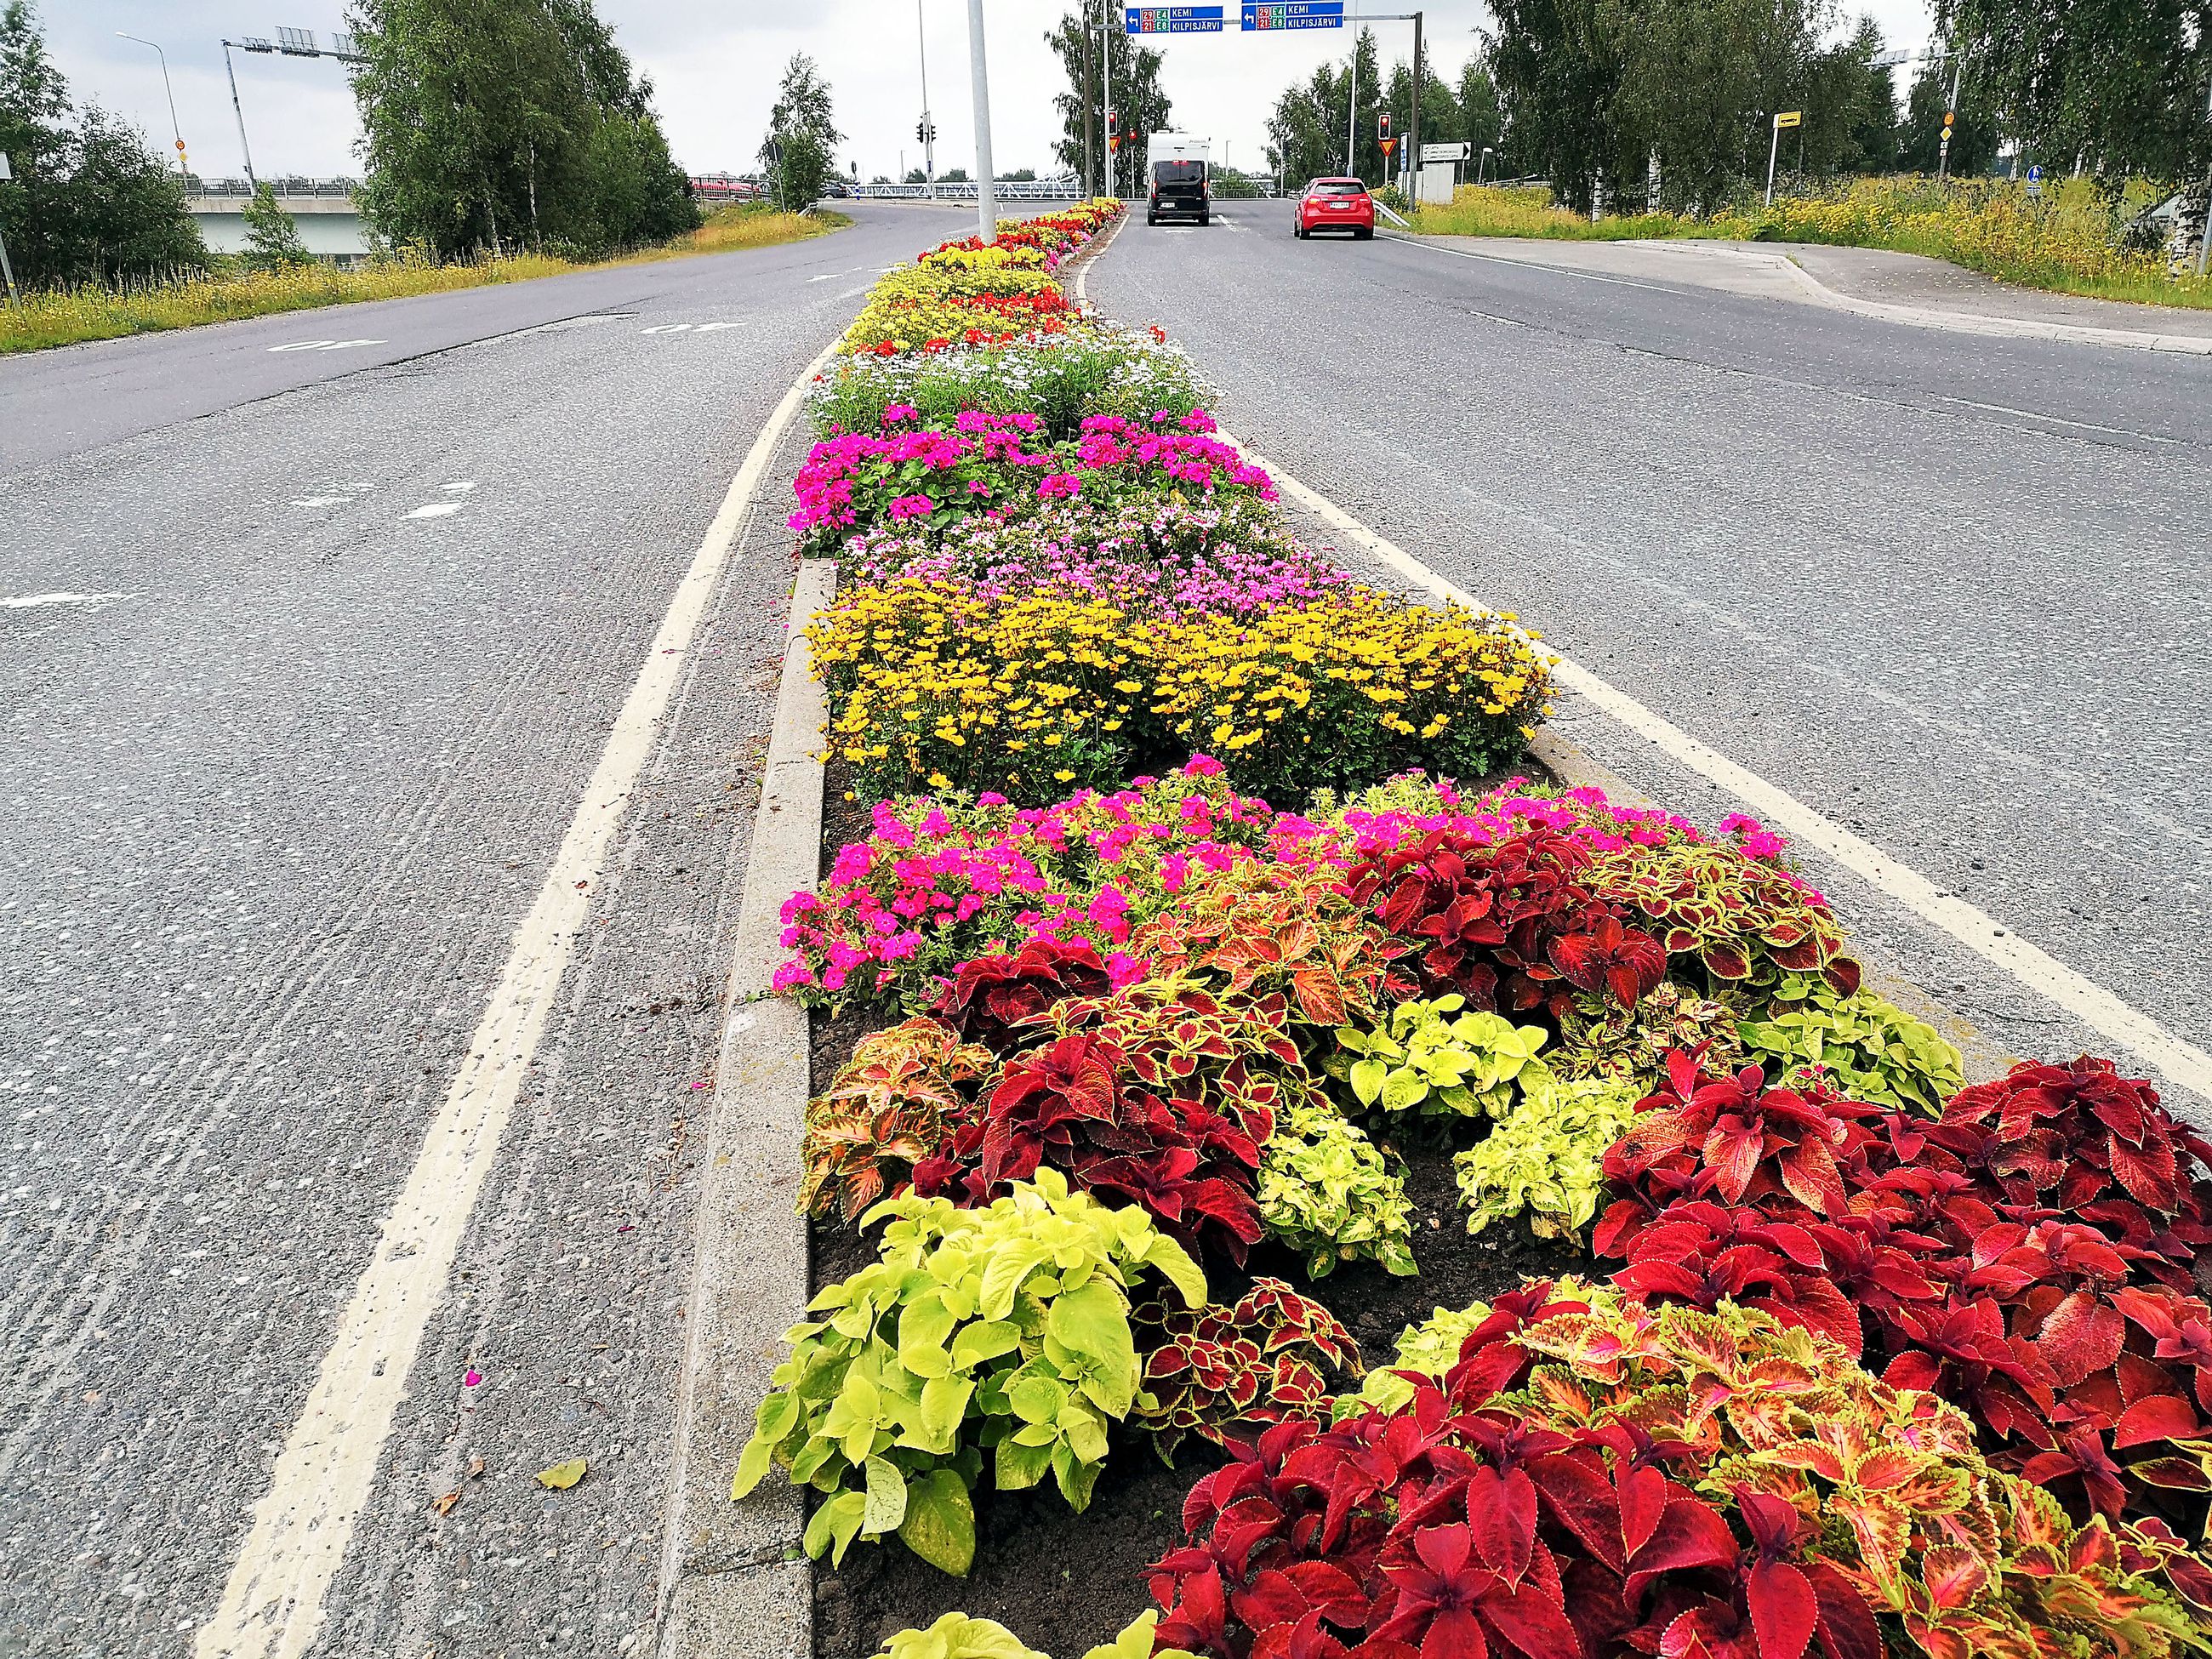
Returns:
(1336,204)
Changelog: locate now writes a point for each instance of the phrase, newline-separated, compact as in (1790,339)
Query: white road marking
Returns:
(33,601)
(325,345)
(462,488)
(2057,420)
(1534,264)
(272,1604)
(2041,975)
(666,328)
(435,510)
(322,500)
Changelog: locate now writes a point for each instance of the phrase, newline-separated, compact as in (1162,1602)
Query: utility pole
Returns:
(1414,122)
(175,131)
(2204,235)
(987,211)
(240,110)
(1089,125)
(929,126)
(1351,114)
(1113,138)
(7,268)
(1943,148)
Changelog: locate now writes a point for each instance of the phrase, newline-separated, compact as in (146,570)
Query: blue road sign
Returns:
(2035,175)
(1173,20)
(1293,13)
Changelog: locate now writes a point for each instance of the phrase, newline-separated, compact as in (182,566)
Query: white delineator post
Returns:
(1773,150)
(986,209)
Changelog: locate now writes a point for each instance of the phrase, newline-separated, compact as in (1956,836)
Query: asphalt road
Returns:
(285,760)
(1952,592)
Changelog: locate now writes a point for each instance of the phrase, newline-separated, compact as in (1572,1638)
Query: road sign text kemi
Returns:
(1293,13)
(1173,20)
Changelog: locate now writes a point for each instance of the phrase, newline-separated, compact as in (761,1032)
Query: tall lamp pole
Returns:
(239,109)
(928,128)
(176,131)
(987,211)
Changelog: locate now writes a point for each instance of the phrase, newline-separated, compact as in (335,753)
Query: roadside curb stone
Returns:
(734,1579)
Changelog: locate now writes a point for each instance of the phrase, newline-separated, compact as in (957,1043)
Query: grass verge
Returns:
(69,317)
(2064,242)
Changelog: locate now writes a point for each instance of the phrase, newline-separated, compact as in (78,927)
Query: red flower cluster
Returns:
(2031,1257)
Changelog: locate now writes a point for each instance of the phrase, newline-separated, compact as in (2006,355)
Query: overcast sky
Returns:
(715,64)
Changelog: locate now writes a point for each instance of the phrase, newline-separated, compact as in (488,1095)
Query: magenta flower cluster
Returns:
(938,883)
(992,464)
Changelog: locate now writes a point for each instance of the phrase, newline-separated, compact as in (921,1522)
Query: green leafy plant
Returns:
(1226,1373)
(1430,1349)
(1871,1049)
(1002,1331)
(1437,1057)
(1600,1039)
(956,1636)
(1547,1158)
(889,1108)
(1327,1190)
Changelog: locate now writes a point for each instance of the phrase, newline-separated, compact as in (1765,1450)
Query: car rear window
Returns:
(1178,173)
(1336,187)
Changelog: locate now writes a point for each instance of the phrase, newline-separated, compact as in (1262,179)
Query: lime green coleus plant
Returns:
(956,1636)
(1438,1058)
(1871,1049)
(999,1333)
(1547,1156)
(1327,1190)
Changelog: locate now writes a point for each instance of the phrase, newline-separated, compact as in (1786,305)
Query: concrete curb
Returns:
(1956,322)
(734,1580)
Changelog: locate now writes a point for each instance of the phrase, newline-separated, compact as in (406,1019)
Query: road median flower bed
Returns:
(1200,952)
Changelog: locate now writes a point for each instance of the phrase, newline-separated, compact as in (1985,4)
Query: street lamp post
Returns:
(987,211)
(1480,161)
(175,131)
(928,128)
(239,109)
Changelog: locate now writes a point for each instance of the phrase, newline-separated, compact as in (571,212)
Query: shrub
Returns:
(1157,1095)
(1602,1039)
(913,308)
(1223,1373)
(1428,1350)
(1547,1158)
(1595,1477)
(1255,928)
(1727,915)
(2000,1258)
(1868,1049)
(956,1636)
(1059,378)
(1162,559)
(1002,1331)
(1030,695)
(946,879)
(1432,1056)
(889,1107)
(1327,1191)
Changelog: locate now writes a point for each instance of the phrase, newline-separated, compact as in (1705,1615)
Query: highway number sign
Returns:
(1174,20)
(1293,13)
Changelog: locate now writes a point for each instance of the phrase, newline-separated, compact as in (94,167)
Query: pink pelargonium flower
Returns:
(1059,483)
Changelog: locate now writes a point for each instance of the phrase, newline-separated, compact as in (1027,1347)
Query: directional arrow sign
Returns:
(1173,20)
(1293,13)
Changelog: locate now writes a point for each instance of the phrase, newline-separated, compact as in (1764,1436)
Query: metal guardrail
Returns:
(293,186)
(1041,189)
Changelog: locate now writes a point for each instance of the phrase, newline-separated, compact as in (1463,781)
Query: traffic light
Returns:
(1382,126)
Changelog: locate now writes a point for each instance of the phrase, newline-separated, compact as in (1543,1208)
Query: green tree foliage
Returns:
(272,237)
(91,201)
(488,123)
(1307,130)
(2119,84)
(801,130)
(1974,136)
(1592,90)
(1140,106)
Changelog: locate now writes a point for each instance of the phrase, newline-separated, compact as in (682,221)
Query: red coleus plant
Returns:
(1159,1096)
(1507,923)
(1227,1373)
(2068,1330)
(991,997)
(1596,1479)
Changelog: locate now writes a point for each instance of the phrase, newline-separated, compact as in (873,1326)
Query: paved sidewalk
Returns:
(1903,288)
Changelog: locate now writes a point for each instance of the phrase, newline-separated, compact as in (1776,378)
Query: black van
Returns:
(1180,189)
